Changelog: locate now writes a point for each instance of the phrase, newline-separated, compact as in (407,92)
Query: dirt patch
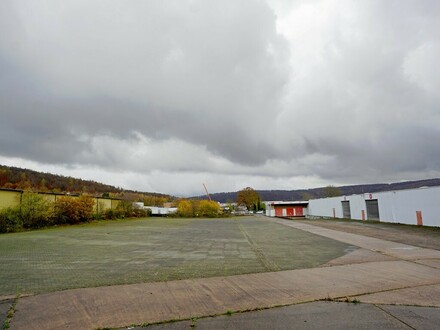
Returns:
(426,237)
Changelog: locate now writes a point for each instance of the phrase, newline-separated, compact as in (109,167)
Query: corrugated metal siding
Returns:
(372,209)
(346,213)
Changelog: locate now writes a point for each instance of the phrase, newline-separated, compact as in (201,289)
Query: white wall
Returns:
(270,211)
(401,206)
(324,207)
(161,210)
(398,206)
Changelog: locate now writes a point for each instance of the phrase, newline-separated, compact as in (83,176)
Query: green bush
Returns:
(10,220)
(111,214)
(124,209)
(36,211)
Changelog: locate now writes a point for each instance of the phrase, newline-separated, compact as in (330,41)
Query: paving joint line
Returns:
(394,317)
(396,289)
(11,312)
(194,319)
(269,265)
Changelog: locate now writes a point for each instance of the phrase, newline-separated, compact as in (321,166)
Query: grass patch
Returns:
(352,300)
(10,313)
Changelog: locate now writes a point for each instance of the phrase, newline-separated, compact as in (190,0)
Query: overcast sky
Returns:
(166,95)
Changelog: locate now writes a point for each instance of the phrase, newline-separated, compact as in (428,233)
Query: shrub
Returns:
(10,220)
(66,210)
(36,211)
(140,213)
(74,210)
(110,214)
(208,209)
(86,205)
(185,209)
(125,209)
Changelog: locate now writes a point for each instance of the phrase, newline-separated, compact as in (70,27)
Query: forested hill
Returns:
(19,178)
(305,194)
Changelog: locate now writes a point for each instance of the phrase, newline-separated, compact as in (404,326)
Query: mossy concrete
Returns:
(366,277)
(155,249)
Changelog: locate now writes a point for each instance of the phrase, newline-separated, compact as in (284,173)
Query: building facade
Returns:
(289,209)
(419,206)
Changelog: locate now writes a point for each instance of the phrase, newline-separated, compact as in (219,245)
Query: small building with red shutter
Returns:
(289,209)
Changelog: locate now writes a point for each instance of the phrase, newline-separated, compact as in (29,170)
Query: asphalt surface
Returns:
(318,315)
(382,277)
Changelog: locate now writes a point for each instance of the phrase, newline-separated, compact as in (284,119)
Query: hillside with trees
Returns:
(306,194)
(25,179)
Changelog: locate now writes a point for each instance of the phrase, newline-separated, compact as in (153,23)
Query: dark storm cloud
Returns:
(41,127)
(199,72)
(340,90)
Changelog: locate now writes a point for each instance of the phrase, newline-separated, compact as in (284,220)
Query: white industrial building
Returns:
(155,210)
(412,206)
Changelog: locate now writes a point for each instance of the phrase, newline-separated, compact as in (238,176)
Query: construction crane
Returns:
(207,193)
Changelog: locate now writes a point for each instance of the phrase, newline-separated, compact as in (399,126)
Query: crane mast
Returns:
(207,193)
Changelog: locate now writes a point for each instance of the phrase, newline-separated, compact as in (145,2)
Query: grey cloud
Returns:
(200,72)
(358,107)
(349,94)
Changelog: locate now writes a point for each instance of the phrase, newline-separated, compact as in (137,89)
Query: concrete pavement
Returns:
(382,272)
(392,249)
(5,306)
(318,315)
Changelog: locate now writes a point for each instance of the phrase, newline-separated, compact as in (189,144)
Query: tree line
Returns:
(247,197)
(25,179)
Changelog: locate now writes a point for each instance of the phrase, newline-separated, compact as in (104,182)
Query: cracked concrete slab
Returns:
(379,282)
(427,318)
(153,302)
(428,295)
(5,305)
(316,315)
